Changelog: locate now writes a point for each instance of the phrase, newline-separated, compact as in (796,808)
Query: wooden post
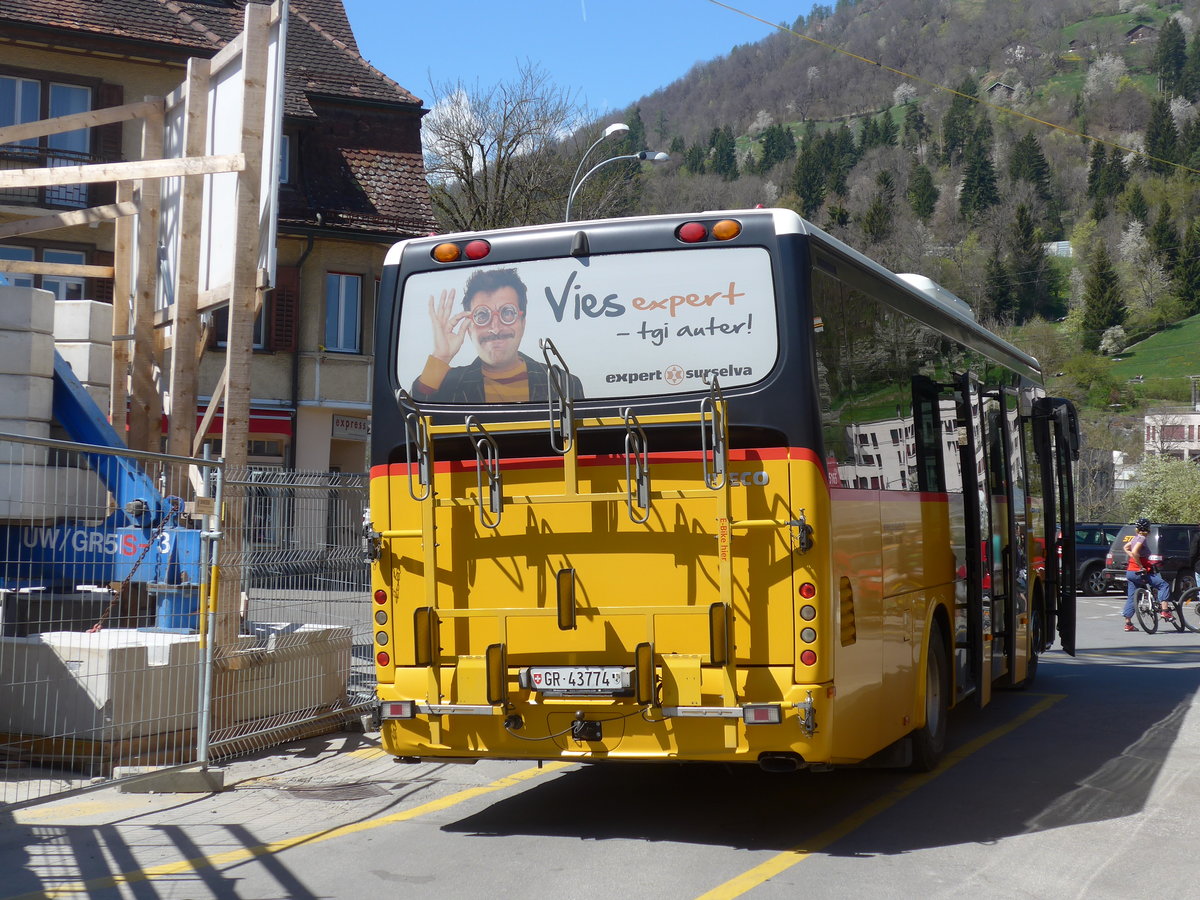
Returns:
(122,348)
(244,294)
(145,403)
(185,323)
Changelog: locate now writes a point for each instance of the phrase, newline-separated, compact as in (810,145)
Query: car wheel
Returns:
(1093,581)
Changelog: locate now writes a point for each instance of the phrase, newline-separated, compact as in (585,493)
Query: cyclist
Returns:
(1140,572)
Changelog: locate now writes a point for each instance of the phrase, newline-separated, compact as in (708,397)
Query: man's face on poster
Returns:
(497,325)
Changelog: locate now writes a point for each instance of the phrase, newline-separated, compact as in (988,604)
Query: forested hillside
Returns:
(1040,160)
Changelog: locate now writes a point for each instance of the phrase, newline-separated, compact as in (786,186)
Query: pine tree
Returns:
(1097,164)
(876,221)
(1187,271)
(842,158)
(808,180)
(1164,239)
(1190,86)
(1134,203)
(957,124)
(868,135)
(889,132)
(916,129)
(1103,306)
(979,189)
(1170,57)
(1115,177)
(777,144)
(1028,163)
(724,153)
(1036,283)
(694,159)
(1162,137)
(997,288)
(922,193)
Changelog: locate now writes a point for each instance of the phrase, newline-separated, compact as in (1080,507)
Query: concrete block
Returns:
(26,397)
(152,780)
(109,685)
(26,309)
(17,452)
(83,320)
(42,493)
(91,363)
(26,353)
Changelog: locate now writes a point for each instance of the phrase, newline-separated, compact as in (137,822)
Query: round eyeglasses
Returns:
(508,314)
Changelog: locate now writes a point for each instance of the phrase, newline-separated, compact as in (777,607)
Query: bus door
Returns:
(1056,442)
(976,644)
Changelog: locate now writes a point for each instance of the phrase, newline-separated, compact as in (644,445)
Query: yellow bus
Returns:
(701,487)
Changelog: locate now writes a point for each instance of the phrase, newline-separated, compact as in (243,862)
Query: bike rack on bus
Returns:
(416,436)
(562,406)
(712,412)
(487,459)
(637,467)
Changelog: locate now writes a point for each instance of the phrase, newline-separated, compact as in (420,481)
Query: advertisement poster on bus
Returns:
(625,325)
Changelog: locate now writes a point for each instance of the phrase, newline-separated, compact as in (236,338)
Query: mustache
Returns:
(498,336)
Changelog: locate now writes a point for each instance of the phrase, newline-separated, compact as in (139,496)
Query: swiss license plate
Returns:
(579,679)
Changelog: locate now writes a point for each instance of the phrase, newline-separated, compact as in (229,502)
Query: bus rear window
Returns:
(626,325)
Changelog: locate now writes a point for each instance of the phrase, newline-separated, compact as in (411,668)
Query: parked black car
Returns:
(1092,543)
(1169,546)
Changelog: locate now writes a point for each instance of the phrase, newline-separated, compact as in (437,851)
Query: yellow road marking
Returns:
(78,809)
(740,884)
(368,753)
(246,853)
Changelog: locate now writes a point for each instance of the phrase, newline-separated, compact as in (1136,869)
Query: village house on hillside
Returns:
(352,182)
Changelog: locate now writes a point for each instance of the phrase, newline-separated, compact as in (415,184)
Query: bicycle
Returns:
(1187,608)
(1149,613)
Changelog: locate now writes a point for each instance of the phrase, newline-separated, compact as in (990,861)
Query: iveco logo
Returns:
(745,479)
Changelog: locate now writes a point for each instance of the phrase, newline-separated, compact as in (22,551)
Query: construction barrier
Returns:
(161,613)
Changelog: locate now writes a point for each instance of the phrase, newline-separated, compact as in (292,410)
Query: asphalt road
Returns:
(1086,785)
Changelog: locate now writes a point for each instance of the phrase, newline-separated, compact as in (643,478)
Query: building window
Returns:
(221,327)
(28,100)
(63,287)
(343,302)
(285,159)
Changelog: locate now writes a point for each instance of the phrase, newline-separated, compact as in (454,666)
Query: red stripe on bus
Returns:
(753,454)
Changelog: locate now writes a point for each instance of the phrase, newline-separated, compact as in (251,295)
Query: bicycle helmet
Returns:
(1142,524)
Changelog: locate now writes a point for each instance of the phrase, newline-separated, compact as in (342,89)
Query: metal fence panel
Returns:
(100,579)
(302,660)
(108,652)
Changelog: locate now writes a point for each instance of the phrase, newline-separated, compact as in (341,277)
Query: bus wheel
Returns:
(929,741)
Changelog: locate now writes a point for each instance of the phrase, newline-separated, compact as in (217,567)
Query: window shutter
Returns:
(285,306)
(106,139)
(102,288)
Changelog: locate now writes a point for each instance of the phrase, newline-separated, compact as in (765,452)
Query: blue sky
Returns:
(610,51)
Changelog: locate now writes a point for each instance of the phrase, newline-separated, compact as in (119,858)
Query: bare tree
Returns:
(493,154)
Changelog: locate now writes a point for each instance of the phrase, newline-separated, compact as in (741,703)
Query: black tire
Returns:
(1187,608)
(929,741)
(1146,609)
(1093,582)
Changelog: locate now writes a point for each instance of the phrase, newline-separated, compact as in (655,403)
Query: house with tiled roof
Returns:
(352,183)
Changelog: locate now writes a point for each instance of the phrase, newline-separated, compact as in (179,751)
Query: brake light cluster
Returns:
(697,232)
(382,657)
(808,634)
(451,251)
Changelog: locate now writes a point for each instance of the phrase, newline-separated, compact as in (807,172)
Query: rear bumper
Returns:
(796,723)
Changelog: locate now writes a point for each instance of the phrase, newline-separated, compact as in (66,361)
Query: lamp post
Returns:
(643,155)
(614,128)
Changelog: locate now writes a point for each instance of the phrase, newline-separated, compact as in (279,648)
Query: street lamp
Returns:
(644,155)
(614,128)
